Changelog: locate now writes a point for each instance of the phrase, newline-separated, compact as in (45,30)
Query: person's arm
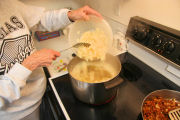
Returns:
(12,82)
(47,20)
(57,19)
(83,13)
(53,19)
(40,58)
(15,79)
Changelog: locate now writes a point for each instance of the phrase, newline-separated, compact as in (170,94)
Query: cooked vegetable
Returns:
(158,108)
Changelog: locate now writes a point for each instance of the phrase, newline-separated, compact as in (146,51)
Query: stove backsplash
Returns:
(155,62)
(165,68)
(156,45)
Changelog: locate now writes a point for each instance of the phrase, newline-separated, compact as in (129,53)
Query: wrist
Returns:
(70,16)
(29,65)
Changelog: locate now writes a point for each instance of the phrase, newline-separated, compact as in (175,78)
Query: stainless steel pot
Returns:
(96,93)
(164,93)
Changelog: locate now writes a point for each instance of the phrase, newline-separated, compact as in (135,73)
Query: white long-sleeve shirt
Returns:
(21,89)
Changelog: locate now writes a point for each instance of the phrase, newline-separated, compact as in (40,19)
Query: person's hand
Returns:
(40,58)
(82,13)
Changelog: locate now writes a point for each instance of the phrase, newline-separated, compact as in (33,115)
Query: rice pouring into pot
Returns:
(98,45)
(93,72)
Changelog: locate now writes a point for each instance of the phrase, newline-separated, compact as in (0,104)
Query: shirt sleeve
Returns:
(50,20)
(55,19)
(31,14)
(12,82)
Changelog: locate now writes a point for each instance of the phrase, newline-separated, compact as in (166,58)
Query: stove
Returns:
(139,78)
(161,40)
(138,82)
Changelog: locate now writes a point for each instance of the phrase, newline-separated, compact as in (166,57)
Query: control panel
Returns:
(158,38)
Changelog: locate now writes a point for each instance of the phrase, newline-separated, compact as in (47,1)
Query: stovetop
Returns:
(138,82)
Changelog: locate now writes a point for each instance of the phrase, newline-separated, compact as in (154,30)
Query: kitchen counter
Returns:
(58,43)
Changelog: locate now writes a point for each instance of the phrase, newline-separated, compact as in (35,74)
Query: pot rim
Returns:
(96,82)
(118,72)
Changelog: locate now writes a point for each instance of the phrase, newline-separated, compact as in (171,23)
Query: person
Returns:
(22,80)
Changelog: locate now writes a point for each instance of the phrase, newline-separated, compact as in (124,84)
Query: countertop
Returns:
(57,43)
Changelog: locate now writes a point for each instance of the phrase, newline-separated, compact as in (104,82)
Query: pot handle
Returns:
(113,83)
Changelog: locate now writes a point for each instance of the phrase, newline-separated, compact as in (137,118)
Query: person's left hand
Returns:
(82,13)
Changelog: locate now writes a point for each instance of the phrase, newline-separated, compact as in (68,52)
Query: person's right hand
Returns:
(83,13)
(40,58)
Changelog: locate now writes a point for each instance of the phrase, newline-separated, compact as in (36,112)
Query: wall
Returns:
(54,4)
(166,12)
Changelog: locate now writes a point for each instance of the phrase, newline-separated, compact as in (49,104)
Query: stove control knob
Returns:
(157,40)
(169,47)
(178,58)
(140,33)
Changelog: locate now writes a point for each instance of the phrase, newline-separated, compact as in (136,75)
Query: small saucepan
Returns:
(96,93)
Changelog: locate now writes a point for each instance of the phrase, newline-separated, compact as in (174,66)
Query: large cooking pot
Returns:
(164,93)
(96,93)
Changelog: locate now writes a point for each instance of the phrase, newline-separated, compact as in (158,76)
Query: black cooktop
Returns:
(139,80)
